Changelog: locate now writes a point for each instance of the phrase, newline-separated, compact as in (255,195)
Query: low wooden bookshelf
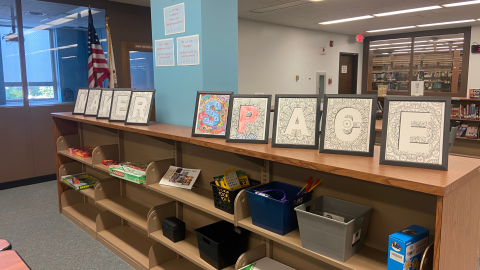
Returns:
(126,217)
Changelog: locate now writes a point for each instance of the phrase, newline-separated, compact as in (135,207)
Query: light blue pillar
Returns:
(216,22)
(3,95)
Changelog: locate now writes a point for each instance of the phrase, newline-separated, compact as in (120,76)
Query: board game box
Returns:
(131,171)
(80,181)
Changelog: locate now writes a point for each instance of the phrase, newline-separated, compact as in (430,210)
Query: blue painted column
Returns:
(216,23)
(3,94)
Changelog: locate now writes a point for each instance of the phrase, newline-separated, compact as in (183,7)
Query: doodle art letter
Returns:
(297,122)
(211,108)
(248,114)
(414,132)
(347,124)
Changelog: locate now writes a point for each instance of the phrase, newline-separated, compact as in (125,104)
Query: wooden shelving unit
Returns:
(126,217)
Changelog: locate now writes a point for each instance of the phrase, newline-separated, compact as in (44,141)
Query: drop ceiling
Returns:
(306,14)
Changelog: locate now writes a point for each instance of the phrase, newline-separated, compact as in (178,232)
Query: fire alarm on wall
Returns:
(331,43)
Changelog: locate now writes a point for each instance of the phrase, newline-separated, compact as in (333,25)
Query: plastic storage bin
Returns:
(224,199)
(174,229)
(220,244)
(272,214)
(328,236)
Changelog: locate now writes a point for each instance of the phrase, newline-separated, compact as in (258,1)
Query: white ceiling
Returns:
(309,14)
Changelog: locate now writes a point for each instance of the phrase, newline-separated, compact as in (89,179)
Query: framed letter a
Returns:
(296,121)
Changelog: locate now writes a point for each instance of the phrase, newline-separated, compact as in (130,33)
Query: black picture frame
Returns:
(149,109)
(76,101)
(104,90)
(88,99)
(372,117)
(317,123)
(267,120)
(116,90)
(444,143)
(196,111)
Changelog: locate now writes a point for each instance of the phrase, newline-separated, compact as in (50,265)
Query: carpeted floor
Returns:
(45,239)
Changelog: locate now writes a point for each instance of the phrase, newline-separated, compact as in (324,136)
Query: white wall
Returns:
(474,66)
(270,56)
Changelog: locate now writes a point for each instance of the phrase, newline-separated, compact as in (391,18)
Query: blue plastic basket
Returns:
(272,214)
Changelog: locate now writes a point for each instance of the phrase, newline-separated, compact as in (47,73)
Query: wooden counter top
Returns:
(433,182)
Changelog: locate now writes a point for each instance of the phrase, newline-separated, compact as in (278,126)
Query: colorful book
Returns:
(80,181)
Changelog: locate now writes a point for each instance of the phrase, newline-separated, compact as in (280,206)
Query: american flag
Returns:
(98,70)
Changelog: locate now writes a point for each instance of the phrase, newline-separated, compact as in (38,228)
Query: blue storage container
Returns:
(272,214)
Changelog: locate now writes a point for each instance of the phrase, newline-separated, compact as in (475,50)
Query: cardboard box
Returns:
(130,171)
(406,247)
(267,264)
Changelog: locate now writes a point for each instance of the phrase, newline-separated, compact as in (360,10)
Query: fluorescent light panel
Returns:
(406,11)
(462,3)
(391,29)
(347,20)
(444,23)
(379,45)
(60,21)
(387,48)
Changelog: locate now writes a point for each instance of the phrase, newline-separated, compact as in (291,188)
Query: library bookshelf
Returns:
(126,217)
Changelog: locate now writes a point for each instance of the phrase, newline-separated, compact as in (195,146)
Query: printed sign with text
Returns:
(164,52)
(174,17)
(188,51)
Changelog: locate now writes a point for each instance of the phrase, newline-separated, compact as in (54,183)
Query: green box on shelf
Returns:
(130,171)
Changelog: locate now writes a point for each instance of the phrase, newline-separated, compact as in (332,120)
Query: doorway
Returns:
(347,78)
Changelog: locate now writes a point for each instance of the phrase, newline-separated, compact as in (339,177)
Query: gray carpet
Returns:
(45,239)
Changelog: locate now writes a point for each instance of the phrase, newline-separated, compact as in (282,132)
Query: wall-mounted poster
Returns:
(164,52)
(174,18)
(140,107)
(249,118)
(93,101)
(348,125)
(188,51)
(81,101)
(211,114)
(416,132)
(105,104)
(120,101)
(296,121)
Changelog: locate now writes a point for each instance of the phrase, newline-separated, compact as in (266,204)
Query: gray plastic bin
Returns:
(332,238)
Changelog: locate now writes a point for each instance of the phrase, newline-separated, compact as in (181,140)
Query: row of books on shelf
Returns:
(390,76)
(468,111)
(391,86)
(470,131)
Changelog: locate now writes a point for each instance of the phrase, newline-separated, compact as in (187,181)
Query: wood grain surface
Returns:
(10,260)
(363,168)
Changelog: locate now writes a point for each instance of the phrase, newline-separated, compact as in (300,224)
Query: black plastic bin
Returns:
(174,229)
(220,244)
(224,199)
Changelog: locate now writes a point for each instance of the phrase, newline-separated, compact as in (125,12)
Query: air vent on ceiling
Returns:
(34,13)
(283,6)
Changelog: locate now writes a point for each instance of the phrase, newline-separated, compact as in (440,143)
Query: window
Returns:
(435,57)
(56,56)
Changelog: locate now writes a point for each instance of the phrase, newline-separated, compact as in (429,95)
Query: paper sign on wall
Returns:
(188,51)
(164,52)
(344,69)
(174,18)
(418,88)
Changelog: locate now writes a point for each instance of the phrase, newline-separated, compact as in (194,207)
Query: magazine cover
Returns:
(180,177)
(80,181)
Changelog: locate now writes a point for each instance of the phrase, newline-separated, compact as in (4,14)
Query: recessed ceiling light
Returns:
(403,50)
(391,29)
(462,3)
(458,42)
(60,21)
(421,41)
(348,19)
(406,11)
(450,39)
(315,0)
(443,23)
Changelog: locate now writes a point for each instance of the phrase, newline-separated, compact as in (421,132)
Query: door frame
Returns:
(354,70)
(128,46)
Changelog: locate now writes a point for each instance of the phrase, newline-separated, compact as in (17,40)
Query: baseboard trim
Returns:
(29,181)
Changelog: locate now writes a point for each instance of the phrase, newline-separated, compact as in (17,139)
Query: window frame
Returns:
(462,90)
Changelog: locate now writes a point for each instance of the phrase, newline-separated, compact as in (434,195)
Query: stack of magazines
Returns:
(80,181)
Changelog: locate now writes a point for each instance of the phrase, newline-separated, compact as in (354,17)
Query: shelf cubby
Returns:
(198,197)
(76,168)
(125,241)
(128,200)
(80,210)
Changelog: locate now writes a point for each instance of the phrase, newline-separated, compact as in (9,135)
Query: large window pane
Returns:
(390,64)
(437,61)
(141,70)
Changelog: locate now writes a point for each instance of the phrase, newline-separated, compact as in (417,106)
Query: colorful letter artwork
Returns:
(249,119)
(211,115)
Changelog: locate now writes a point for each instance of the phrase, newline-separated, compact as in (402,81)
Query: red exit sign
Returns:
(475,48)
